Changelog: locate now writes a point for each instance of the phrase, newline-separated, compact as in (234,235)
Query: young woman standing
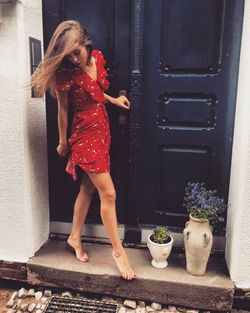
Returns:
(74,73)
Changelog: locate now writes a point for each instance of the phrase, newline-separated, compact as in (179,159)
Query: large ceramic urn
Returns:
(198,240)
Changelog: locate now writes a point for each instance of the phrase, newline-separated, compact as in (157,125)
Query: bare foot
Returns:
(77,246)
(123,265)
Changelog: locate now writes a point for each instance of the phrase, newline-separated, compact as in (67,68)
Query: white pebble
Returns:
(14,295)
(24,306)
(156,306)
(18,304)
(172,308)
(38,295)
(141,303)
(31,292)
(10,303)
(130,304)
(67,294)
(31,307)
(44,299)
(181,309)
(22,293)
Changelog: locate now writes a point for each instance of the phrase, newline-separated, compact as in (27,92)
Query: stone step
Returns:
(53,265)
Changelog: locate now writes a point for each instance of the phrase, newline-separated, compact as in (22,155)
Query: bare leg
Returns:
(81,208)
(105,187)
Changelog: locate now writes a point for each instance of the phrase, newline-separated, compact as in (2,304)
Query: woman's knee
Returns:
(108,195)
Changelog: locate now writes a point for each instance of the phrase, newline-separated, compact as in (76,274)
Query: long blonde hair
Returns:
(65,39)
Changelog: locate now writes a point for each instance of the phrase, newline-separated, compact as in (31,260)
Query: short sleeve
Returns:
(63,82)
(101,57)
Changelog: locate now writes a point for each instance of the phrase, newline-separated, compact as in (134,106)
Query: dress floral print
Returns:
(89,141)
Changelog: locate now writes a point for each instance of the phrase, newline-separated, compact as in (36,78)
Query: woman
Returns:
(75,74)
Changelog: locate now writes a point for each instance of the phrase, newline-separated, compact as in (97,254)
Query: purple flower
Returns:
(203,203)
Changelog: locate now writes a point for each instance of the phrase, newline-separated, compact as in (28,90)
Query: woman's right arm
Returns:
(62,118)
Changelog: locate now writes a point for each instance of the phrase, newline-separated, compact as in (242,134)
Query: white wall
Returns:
(24,208)
(238,222)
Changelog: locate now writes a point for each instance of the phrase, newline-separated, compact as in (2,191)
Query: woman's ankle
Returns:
(75,237)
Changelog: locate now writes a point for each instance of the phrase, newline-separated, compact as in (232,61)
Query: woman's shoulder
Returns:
(99,55)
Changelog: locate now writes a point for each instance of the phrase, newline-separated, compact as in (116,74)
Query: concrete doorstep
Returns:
(55,266)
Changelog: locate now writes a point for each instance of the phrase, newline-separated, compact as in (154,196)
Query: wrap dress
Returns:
(89,141)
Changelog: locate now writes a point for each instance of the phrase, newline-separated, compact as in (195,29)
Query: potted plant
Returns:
(160,244)
(205,210)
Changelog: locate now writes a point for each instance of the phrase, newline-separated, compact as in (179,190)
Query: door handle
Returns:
(122,118)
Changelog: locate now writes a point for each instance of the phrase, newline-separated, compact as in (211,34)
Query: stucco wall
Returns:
(24,209)
(238,222)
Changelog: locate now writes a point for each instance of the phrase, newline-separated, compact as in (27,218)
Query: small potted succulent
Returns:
(205,210)
(160,244)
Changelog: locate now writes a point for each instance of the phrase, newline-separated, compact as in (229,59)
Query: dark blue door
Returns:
(185,115)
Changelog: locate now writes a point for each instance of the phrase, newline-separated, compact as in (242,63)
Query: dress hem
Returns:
(71,170)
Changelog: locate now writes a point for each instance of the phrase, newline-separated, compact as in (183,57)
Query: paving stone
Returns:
(43,306)
(39,311)
(14,306)
(31,307)
(10,303)
(47,293)
(11,311)
(67,294)
(24,306)
(172,308)
(182,309)
(141,303)
(149,309)
(22,293)
(122,309)
(192,311)
(38,306)
(38,295)
(156,306)
(19,303)
(140,310)
(44,299)
(13,296)
(130,303)
(109,299)
(31,292)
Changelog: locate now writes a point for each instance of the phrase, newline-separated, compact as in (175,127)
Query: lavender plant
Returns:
(204,204)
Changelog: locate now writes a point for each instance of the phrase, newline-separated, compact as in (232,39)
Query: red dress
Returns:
(89,141)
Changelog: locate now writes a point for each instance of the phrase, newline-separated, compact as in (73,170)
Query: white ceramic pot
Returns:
(160,252)
(198,240)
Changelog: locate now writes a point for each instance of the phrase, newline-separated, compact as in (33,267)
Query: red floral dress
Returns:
(89,141)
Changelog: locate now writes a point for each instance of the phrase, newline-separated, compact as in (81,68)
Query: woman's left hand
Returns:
(122,102)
